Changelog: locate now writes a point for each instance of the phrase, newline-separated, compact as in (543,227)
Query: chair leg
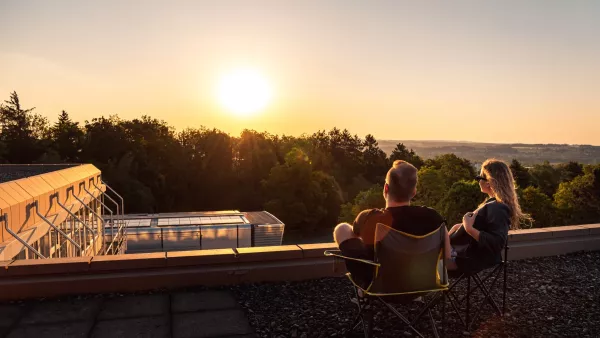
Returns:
(358,319)
(427,305)
(402,318)
(444,313)
(434,327)
(467,321)
(367,320)
(504,267)
(487,293)
(356,322)
(456,309)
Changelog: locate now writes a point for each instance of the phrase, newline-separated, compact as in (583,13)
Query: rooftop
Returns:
(11,172)
(550,296)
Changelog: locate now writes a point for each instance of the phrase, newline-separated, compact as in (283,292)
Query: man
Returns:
(357,240)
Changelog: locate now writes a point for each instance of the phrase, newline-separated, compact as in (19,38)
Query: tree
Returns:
(462,197)
(537,204)
(402,153)
(207,168)
(546,177)
(570,170)
(138,197)
(254,155)
(431,187)
(452,168)
(333,198)
(2,151)
(105,142)
(375,160)
(367,199)
(67,138)
(21,131)
(578,201)
(339,154)
(153,145)
(520,174)
(296,194)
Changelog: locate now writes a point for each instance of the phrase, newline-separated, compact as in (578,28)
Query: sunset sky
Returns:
(489,71)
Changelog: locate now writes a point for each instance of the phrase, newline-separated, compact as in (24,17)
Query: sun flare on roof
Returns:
(244,92)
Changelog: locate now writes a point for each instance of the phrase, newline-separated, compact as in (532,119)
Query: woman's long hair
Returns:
(501,180)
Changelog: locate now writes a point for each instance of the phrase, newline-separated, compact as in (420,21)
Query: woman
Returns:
(478,241)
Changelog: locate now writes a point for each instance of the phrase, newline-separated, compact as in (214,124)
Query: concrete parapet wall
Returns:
(139,272)
(553,241)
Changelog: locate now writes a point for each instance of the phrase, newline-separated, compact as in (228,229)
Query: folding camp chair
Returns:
(404,266)
(490,275)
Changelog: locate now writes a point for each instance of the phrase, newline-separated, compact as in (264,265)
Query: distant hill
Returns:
(477,152)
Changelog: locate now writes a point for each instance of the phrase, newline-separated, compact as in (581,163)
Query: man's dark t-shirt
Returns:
(414,220)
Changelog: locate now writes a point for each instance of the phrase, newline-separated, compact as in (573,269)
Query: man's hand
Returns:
(455,228)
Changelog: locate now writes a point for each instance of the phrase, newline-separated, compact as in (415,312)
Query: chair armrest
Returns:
(338,253)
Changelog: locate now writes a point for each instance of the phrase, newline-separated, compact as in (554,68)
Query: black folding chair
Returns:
(490,276)
(405,267)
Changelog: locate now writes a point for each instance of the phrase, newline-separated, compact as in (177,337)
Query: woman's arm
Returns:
(455,228)
(494,235)
(468,221)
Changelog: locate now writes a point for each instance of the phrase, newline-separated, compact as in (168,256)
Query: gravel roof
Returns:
(11,172)
(553,296)
(548,297)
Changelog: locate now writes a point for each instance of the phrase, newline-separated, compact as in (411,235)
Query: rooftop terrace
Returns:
(265,291)
(550,296)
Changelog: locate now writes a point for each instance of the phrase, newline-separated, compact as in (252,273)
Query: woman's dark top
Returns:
(493,222)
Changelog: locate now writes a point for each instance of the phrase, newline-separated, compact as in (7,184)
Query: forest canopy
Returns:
(310,182)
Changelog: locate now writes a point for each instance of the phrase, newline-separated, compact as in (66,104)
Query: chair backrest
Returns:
(409,263)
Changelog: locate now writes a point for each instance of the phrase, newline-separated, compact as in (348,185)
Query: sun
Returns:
(244,92)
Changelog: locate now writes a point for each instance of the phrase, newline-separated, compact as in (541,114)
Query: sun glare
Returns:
(244,92)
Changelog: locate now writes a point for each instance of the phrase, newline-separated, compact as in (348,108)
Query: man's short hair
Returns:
(402,181)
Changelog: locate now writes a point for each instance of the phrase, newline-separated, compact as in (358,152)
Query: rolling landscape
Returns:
(527,154)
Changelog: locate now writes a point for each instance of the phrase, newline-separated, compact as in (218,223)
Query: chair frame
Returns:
(365,316)
(455,301)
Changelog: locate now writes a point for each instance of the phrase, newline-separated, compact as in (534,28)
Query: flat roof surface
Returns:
(195,313)
(185,214)
(11,172)
(201,218)
(261,217)
(547,297)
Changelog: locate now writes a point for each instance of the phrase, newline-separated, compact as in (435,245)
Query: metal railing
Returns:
(78,220)
(122,225)
(18,238)
(57,229)
(71,226)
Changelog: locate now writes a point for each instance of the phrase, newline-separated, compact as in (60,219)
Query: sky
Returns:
(484,71)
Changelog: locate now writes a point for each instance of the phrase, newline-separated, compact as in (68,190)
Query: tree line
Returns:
(310,182)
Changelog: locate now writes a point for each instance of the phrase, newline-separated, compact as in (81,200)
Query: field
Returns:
(527,154)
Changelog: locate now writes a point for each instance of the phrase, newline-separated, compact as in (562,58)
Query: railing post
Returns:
(123,228)
(37,211)
(112,221)
(4,218)
(88,208)
(75,218)
(120,233)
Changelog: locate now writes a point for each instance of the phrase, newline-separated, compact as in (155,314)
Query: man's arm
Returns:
(359,222)
(450,263)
